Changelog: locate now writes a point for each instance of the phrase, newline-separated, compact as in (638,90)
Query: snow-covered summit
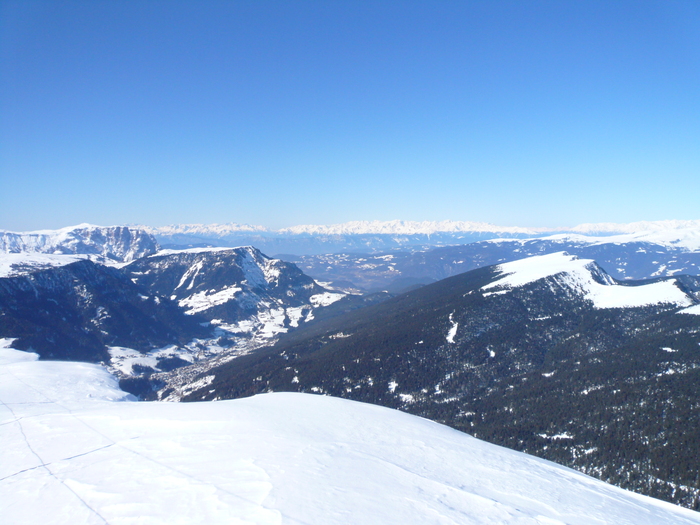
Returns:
(115,243)
(74,452)
(585,277)
(239,289)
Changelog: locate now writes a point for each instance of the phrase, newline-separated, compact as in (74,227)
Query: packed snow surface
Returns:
(578,275)
(76,450)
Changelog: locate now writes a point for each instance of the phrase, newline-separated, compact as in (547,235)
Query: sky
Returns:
(538,113)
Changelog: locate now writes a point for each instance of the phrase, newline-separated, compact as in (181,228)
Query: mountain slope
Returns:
(624,257)
(238,289)
(548,355)
(73,454)
(159,312)
(76,310)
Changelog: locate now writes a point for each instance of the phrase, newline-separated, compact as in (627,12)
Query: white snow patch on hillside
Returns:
(694,310)
(207,249)
(72,455)
(325,299)
(576,274)
(201,301)
(452,332)
(124,359)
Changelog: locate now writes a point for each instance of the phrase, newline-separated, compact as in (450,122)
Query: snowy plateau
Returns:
(77,450)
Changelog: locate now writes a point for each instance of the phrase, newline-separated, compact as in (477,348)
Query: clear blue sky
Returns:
(530,113)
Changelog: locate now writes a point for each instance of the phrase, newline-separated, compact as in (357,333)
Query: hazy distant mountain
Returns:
(633,256)
(548,355)
(377,236)
(112,243)
(354,237)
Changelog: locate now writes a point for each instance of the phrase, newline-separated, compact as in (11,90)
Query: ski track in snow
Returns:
(78,451)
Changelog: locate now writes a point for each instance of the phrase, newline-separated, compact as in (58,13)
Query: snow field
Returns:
(77,451)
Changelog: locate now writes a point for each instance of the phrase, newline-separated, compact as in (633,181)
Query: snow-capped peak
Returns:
(585,277)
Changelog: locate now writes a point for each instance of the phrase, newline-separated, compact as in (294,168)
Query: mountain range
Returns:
(158,312)
(579,349)
(379,236)
(638,256)
(549,355)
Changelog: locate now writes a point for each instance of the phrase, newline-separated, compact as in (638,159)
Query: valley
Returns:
(580,350)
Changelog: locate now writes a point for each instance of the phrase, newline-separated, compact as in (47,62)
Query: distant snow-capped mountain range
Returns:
(398,227)
(383,236)
(127,243)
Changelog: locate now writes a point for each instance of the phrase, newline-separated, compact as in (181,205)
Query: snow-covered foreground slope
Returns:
(72,454)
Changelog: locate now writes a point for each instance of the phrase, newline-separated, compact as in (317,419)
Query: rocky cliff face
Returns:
(113,243)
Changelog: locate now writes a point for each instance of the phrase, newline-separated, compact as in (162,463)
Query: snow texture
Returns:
(578,275)
(77,451)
